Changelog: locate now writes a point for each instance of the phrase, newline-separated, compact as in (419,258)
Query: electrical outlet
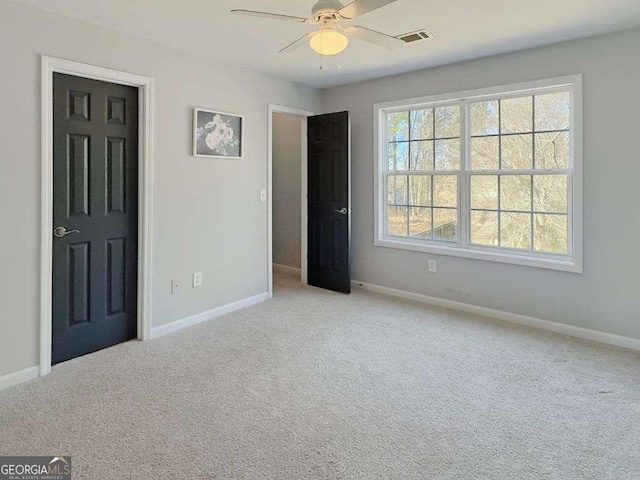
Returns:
(263,195)
(175,287)
(433,266)
(197,279)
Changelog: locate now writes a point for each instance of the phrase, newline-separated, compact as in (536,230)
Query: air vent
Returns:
(412,37)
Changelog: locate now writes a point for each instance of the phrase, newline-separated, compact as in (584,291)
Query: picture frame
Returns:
(217,134)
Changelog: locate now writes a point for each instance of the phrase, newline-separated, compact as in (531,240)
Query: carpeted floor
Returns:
(314,384)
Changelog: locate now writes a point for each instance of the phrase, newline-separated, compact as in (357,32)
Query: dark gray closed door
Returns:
(329,190)
(95,215)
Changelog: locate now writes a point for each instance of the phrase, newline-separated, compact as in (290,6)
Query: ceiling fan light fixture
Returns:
(329,41)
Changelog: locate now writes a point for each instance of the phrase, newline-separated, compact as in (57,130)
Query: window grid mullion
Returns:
(506,173)
(426,172)
(432,211)
(533,148)
(532,215)
(533,128)
(570,178)
(499,211)
(385,190)
(492,210)
(499,134)
(464,193)
(417,140)
(433,146)
(505,134)
(409,144)
(409,165)
(499,176)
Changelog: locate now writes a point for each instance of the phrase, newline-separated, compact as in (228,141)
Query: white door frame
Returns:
(49,65)
(303,197)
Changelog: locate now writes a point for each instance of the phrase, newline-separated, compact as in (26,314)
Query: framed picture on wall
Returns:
(217,134)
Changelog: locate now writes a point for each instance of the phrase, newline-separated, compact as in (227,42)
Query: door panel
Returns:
(78,171)
(78,262)
(95,180)
(329,202)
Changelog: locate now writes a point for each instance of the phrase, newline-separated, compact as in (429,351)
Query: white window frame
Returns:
(572,262)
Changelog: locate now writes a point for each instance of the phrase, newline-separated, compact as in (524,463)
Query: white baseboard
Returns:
(286,268)
(208,315)
(584,333)
(18,377)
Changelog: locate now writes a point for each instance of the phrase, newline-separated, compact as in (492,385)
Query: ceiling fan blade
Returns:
(298,43)
(272,16)
(380,39)
(360,7)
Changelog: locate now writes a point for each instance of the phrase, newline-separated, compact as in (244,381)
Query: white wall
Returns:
(607,296)
(207,214)
(287,158)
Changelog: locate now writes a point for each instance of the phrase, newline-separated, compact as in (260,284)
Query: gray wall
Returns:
(607,296)
(207,213)
(287,155)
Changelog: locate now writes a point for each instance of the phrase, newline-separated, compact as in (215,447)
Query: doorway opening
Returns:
(324,196)
(287,192)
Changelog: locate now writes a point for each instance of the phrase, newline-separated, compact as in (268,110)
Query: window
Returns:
(492,174)
(423,170)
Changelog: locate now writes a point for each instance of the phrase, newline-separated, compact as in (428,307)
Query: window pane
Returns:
(550,233)
(420,190)
(398,156)
(422,155)
(485,153)
(420,222)
(445,191)
(553,111)
(484,228)
(550,193)
(515,192)
(517,152)
(484,118)
(397,221)
(422,124)
(552,150)
(516,115)
(484,192)
(515,230)
(448,154)
(397,190)
(397,126)
(445,224)
(447,122)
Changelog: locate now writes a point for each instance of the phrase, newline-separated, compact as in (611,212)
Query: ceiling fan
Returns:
(333,38)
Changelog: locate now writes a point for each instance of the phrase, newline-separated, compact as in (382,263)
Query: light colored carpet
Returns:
(320,385)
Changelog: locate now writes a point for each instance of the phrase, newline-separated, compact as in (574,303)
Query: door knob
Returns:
(342,211)
(63,232)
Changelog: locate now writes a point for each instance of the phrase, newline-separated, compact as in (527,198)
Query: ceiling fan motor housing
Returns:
(326,7)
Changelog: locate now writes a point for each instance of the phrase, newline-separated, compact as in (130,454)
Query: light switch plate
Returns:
(197,279)
(433,266)
(263,195)
(175,287)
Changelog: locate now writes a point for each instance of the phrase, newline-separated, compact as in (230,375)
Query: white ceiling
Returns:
(462,29)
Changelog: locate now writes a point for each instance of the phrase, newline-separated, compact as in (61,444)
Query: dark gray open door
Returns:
(95,215)
(329,207)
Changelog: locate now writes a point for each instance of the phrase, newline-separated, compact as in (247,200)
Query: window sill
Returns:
(456,250)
